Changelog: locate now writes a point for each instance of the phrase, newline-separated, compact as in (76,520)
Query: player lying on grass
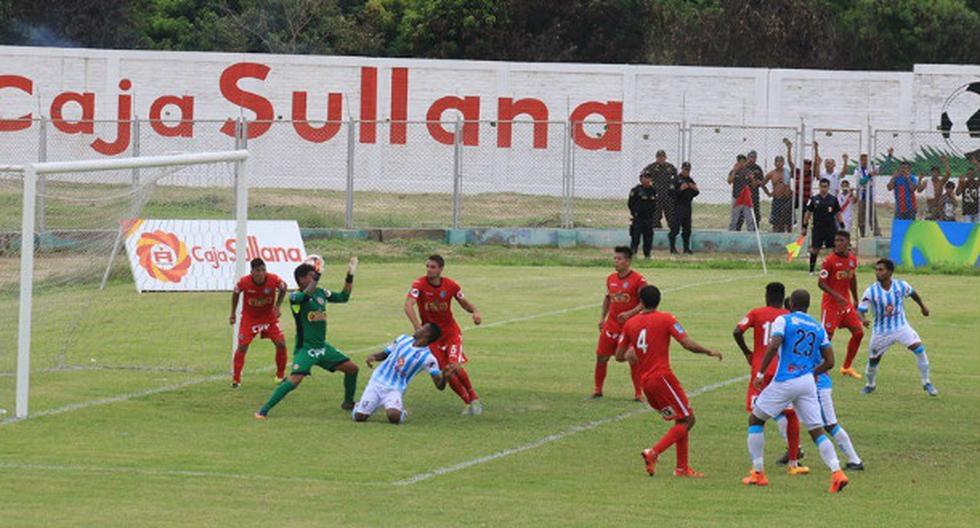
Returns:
(309,311)
(646,343)
(804,352)
(760,320)
(886,297)
(401,360)
(433,295)
(262,294)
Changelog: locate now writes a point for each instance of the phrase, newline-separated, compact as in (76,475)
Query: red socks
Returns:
(600,374)
(792,434)
(459,388)
(636,374)
(464,377)
(853,346)
(238,363)
(675,435)
(281,359)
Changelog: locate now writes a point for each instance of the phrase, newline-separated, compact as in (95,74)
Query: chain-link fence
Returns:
(437,174)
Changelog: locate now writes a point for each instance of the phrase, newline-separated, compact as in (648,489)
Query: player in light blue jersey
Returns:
(401,360)
(887,298)
(804,352)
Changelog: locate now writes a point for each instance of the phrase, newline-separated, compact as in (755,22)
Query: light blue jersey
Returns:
(888,305)
(803,340)
(404,361)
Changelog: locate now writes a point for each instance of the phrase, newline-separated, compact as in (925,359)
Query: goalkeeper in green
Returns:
(309,311)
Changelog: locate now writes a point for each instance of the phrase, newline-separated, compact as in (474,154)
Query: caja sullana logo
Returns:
(960,120)
(163,256)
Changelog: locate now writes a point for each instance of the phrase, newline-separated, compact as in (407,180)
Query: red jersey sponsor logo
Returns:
(837,272)
(624,295)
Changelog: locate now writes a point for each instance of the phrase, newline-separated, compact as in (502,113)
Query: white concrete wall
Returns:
(731,96)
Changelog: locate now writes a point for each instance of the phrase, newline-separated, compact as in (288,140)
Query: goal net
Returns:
(75,326)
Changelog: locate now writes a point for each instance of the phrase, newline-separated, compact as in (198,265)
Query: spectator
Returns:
(830,172)
(663,175)
(802,195)
(781,178)
(846,199)
(934,186)
(969,189)
(758,179)
(905,184)
(948,202)
(685,189)
(864,176)
(642,204)
(741,184)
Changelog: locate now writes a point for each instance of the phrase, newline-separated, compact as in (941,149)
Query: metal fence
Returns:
(360,174)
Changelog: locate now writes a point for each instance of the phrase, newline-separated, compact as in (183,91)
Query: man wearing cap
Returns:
(642,204)
(664,175)
(683,192)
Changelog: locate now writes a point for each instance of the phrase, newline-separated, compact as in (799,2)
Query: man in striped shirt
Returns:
(401,360)
(886,297)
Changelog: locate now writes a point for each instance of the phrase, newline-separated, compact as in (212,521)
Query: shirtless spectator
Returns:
(781,178)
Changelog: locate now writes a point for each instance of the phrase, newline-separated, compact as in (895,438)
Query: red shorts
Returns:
(449,349)
(833,317)
(665,394)
(608,341)
(249,329)
(751,394)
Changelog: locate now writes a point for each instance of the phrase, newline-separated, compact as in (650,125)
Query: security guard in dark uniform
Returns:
(683,192)
(642,204)
(825,211)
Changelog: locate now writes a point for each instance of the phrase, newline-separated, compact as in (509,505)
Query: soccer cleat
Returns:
(930,389)
(650,460)
(855,466)
(783,460)
(688,472)
(279,379)
(467,409)
(838,481)
(868,389)
(756,478)
(597,395)
(235,384)
(850,372)
(798,470)
(476,407)
(638,397)
(347,406)
(260,415)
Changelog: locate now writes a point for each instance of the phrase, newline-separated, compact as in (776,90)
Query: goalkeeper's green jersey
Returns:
(310,314)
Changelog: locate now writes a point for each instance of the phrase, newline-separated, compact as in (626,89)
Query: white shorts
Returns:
(826,400)
(801,392)
(376,395)
(880,342)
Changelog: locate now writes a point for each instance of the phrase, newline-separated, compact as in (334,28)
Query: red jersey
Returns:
(435,302)
(760,321)
(624,295)
(649,334)
(837,272)
(259,300)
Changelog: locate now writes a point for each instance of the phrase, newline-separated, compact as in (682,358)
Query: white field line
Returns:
(217,377)
(156,472)
(575,429)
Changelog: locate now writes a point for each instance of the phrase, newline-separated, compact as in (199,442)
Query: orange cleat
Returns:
(838,480)
(650,459)
(757,478)
(798,470)
(851,373)
(688,472)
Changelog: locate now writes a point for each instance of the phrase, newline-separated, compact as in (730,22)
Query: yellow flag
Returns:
(793,248)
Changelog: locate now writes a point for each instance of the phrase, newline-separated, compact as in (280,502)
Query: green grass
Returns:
(196,457)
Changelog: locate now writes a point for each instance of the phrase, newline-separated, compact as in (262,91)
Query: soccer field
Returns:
(168,443)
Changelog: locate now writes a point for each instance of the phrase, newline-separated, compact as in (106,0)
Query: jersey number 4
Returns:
(641,341)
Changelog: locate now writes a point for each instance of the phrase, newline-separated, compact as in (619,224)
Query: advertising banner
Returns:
(921,242)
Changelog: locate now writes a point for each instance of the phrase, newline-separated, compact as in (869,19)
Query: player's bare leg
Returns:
(599,377)
(350,383)
(282,360)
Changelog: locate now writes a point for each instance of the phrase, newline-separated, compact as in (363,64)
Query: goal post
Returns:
(29,241)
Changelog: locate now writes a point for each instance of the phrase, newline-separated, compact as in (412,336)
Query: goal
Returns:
(83,332)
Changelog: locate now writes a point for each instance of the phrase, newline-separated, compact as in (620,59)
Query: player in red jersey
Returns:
(620,303)
(838,280)
(646,343)
(760,321)
(262,294)
(433,295)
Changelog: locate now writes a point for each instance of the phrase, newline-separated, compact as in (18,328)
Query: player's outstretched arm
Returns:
(410,304)
(918,300)
(442,379)
(694,347)
(471,308)
(739,335)
(376,357)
